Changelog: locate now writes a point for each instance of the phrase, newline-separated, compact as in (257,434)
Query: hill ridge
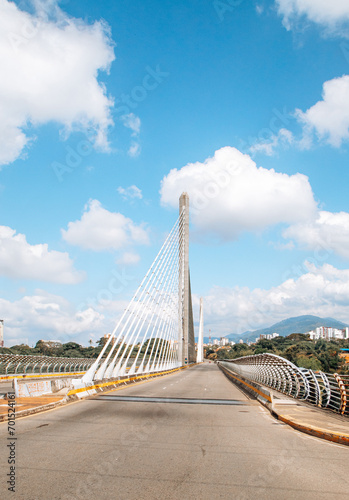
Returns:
(296,324)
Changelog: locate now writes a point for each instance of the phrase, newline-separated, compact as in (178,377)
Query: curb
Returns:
(335,437)
(32,411)
(264,396)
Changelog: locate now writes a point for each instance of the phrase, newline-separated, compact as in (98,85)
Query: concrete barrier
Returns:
(74,388)
(259,392)
(36,388)
(81,390)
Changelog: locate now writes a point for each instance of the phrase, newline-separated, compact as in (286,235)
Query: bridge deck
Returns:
(106,449)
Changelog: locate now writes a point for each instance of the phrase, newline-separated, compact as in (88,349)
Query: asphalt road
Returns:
(107,449)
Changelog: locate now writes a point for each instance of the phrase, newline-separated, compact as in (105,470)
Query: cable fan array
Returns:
(146,339)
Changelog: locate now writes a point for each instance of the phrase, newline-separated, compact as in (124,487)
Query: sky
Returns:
(110,110)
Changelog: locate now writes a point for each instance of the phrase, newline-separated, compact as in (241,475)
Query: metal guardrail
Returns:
(324,390)
(12,364)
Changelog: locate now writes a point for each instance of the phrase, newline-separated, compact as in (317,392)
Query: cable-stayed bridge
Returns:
(156,331)
(191,433)
(155,334)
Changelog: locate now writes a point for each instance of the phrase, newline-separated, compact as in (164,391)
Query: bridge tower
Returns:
(187,350)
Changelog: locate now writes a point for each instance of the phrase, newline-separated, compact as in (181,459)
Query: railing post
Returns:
(343,393)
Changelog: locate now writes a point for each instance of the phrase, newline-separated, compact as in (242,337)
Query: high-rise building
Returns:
(327,333)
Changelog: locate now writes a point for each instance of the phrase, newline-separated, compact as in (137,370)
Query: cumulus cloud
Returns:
(310,289)
(130,193)
(283,138)
(49,317)
(333,15)
(128,259)
(19,259)
(229,194)
(329,118)
(134,149)
(49,67)
(132,122)
(98,230)
(306,289)
(328,232)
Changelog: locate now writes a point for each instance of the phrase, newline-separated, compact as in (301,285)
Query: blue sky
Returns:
(109,110)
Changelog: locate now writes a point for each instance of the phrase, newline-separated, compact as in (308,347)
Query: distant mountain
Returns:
(299,324)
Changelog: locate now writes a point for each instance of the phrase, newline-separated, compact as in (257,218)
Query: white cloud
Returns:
(130,193)
(307,289)
(49,71)
(128,259)
(283,138)
(329,118)
(320,291)
(328,233)
(134,150)
(229,194)
(19,259)
(333,15)
(98,229)
(283,246)
(132,122)
(46,316)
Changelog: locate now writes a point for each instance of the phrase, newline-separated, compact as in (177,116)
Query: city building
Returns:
(267,336)
(223,341)
(328,333)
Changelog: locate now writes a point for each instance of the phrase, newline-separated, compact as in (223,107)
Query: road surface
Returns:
(103,448)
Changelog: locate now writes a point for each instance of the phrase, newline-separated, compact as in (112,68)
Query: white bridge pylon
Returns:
(149,336)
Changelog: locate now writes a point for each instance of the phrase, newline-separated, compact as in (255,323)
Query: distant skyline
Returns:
(110,110)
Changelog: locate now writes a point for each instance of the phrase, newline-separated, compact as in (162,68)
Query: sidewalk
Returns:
(310,419)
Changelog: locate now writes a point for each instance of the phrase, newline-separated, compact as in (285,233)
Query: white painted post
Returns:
(200,353)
